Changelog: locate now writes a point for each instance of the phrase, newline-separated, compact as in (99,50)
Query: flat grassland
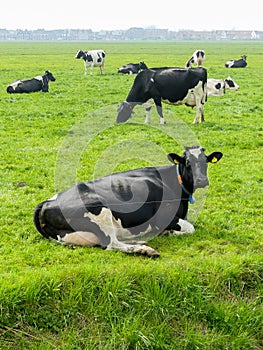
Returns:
(205,291)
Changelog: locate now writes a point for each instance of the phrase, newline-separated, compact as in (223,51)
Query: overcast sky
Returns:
(117,14)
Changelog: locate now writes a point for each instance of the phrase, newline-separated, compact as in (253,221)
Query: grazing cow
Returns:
(197,58)
(116,211)
(216,87)
(38,83)
(92,58)
(171,85)
(132,68)
(241,63)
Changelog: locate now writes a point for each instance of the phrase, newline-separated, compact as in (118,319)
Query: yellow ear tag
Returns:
(176,161)
(214,160)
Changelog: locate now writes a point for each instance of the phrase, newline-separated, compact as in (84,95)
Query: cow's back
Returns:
(174,83)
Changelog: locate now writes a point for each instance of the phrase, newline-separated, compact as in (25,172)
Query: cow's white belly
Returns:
(193,95)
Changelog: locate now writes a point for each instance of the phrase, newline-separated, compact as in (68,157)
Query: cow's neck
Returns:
(185,182)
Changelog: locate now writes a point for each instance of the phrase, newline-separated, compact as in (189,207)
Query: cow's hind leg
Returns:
(200,96)
(82,238)
(112,228)
(102,69)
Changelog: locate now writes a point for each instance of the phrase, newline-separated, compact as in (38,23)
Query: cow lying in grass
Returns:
(38,83)
(241,63)
(218,87)
(117,211)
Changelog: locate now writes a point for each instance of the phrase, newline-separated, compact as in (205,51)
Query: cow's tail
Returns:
(38,220)
(9,89)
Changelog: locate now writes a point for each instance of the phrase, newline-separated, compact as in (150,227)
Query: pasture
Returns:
(205,291)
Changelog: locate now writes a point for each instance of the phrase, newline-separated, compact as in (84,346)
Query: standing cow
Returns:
(132,68)
(38,83)
(116,210)
(197,58)
(171,85)
(92,58)
(241,63)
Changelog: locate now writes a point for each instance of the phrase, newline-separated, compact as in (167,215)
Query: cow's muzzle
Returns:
(201,182)
(124,112)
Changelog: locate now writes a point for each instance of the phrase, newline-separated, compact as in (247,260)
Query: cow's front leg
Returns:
(160,112)
(147,112)
(159,109)
(199,113)
(141,249)
(180,228)
(91,67)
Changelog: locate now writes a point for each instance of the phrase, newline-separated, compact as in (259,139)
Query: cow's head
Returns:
(80,54)
(142,65)
(50,76)
(193,166)
(230,84)
(124,112)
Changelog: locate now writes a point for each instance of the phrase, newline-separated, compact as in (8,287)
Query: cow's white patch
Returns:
(186,226)
(196,152)
(81,238)
(38,77)
(15,84)
(113,228)
(230,63)
(194,97)
(54,197)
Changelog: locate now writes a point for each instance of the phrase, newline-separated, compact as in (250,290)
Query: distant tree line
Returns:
(129,34)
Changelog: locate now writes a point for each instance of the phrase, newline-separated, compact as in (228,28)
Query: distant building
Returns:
(135,33)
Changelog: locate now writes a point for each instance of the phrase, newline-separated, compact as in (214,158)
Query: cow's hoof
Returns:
(150,252)
(143,250)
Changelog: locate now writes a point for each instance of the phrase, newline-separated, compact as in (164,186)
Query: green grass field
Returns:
(205,291)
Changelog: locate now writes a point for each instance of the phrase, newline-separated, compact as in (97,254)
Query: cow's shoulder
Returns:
(38,77)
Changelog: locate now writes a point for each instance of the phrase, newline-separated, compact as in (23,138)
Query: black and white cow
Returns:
(116,211)
(92,58)
(38,83)
(197,58)
(218,87)
(170,85)
(132,68)
(241,63)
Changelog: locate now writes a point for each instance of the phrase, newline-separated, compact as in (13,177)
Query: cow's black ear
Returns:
(214,157)
(175,159)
